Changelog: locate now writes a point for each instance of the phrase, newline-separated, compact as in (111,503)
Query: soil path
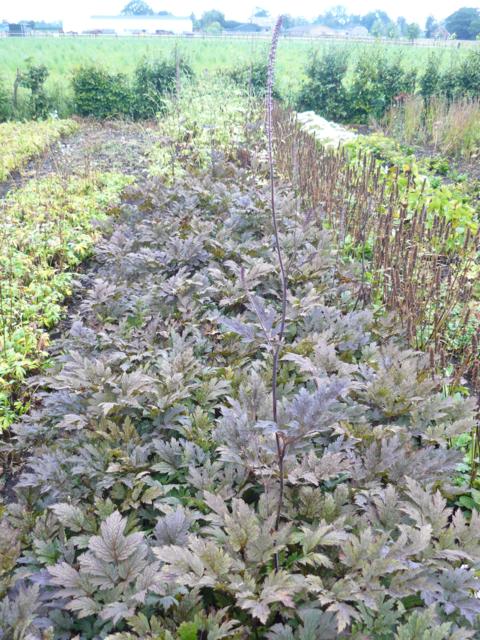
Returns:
(107,146)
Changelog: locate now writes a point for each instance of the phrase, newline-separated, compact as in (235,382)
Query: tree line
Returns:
(463,24)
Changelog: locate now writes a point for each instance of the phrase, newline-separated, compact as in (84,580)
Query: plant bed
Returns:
(48,228)
(146,503)
(21,141)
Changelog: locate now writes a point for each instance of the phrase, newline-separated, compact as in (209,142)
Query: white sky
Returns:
(413,10)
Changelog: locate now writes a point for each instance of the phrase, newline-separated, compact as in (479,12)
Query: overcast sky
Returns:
(413,10)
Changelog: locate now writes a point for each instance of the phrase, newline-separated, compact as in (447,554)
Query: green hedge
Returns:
(343,92)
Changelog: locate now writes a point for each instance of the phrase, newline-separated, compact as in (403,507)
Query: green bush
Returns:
(430,78)
(376,81)
(468,76)
(152,82)
(252,77)
(34,79)
(448,84)
(462,80)
(5,104)
(101,94)
(324,90)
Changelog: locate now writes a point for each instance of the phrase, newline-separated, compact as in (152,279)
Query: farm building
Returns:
(50,28)
(311,30)
(19,29)
(132,25)
(358,32)
(264,22)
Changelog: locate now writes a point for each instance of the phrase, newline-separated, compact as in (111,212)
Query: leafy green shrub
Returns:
(468,75)
(429,80)
(5,103)
(448,83)
(376,81)
(462,79)
(34,79)
(152,83)
(252,78)
(324,90)
(101,94)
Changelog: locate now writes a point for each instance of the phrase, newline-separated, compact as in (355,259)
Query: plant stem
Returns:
(283,278)
(281,445)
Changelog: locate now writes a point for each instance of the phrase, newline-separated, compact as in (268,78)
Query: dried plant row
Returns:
(417,264)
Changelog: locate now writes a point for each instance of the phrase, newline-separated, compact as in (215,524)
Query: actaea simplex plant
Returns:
(273,330)
(281,439)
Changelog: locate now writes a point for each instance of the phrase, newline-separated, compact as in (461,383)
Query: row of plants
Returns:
(98,92)
(202,127)
(450,128)
(21,141)
(449,192)
(161,498)
(101,94)
(47,228)
(344,93)
(375,178)
(339,83)
(418,240)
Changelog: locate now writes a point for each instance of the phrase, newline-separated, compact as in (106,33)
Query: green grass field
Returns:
(62,55)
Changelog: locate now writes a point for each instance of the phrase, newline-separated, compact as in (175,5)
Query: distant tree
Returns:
(289,22)
(431,26)
(260,13)
(402,25)
(393,31)
(195,22)
(213,27)
(465,23)
(335,18)
(413,31)
(475,28)
(137,8)
(373,17)
(377,28)
(210,17)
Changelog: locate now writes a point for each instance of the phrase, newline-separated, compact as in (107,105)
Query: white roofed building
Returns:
(131,25)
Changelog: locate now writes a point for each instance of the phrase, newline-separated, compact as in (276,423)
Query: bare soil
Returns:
(101,146)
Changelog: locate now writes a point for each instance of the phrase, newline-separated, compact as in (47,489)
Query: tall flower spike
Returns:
(283,279)
(271,73)
(281,441)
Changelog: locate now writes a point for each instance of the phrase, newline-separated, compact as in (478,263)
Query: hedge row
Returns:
(337,87)
(343,92)
(97,92)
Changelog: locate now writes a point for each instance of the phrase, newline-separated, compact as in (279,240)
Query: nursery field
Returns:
(62,55)
(202,442)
